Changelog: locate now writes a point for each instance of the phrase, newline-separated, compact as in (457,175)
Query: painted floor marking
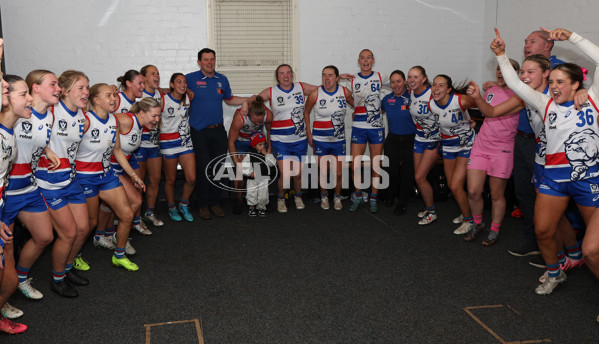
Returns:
(196,321)
(488,329)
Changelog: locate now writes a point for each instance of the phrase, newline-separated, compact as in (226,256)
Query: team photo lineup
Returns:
(83,162)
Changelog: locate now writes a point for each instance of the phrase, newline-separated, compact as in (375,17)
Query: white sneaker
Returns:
(156,222)
(458,219)
(104,242)
(549,284)
(324,203)
(427,219)
(299,203)
(337,203)
(142,229)
(129,250)
(423,213)
(11,312)
(281,207)
(464,228)
(29,291)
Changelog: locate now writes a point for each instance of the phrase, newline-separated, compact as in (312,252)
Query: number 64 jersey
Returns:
(366,91)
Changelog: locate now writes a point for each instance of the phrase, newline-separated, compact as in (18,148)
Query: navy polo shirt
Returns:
(398,114)
(206,108)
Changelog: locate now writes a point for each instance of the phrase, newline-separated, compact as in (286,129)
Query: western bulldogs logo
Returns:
(582,151)
(490,97)
(95,133)
(219,85)
(323,102)
(26,127)
(6,149)
(280,100)
(552,117)
(373,105)
(62,125)
(338,120)
(297,117)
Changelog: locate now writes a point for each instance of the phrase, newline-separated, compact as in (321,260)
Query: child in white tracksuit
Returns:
(256,166)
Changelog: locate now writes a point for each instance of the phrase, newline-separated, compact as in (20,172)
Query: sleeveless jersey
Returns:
(329,115)
(249,128)
(572,151)
(174,132)
(427,125)
(367,101)
(288,114)
(131,140)
(8,152)
(93,156)
(151,138)
(32,136)
(64,141)
(124,103)
(454,122)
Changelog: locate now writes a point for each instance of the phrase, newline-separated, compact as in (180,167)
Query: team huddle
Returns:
(76,158)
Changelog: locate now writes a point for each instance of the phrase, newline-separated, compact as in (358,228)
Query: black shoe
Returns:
(262,212)
(252,212)
(237,206)
(64,289)
(527,249)
(400,209)
(537,262)
(75,278)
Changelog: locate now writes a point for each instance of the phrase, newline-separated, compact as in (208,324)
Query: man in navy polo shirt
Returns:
(207,131)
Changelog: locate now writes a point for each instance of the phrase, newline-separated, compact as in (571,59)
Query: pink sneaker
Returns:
(10,327)
(572,263)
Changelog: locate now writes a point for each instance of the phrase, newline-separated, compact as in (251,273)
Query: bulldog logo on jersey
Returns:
(357,87)
(338,120)
(26,127)
(297,117)
(133,138)
(62,125)
(170,111)
(323,102)
(6,150)
(594,188)
(95,133)
(280,100)
(124,110)
(582,151)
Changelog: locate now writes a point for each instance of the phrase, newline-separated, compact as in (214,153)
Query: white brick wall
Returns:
(105,38)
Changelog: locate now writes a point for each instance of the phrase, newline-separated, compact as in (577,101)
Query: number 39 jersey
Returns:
(329,115)
(367,100)
(288,123)
(427,125)
(93,157)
